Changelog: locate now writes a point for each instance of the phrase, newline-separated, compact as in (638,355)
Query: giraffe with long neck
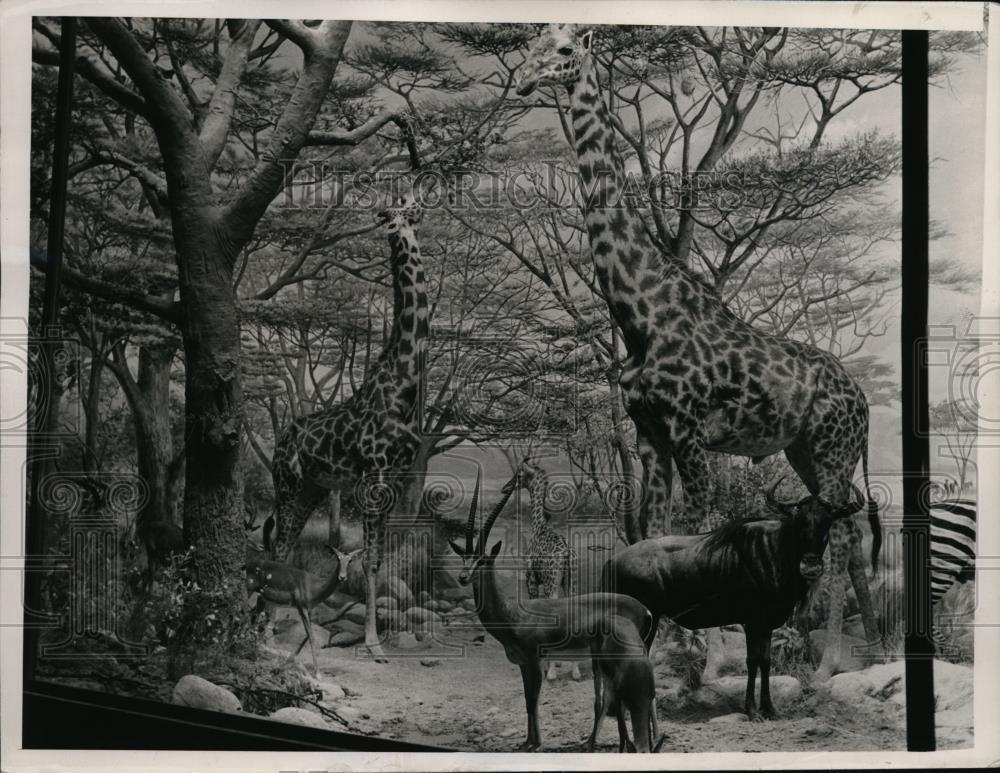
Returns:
(696,377)
(550,557)
(360,447)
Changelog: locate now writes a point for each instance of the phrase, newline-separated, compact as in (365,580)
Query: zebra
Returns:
(953,550)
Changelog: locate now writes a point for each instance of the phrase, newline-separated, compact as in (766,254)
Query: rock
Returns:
(457,594)
(349,713)
(431,604)
(854,627)
(469,605)
(407,641)
(388,620)
(331,691)
(419,616)
(386,602)
(670,689)
(356,614)
(852,650)
(430,662)
(730,658)
(730,691)
(396,587)
(423,597)
(200,693)
(346,638)
(736,716)
(347,625)
(443,605)
(298,716)
(292,637)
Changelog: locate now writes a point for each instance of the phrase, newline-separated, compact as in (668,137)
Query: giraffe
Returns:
(550,558)
(696,377)
(361,446)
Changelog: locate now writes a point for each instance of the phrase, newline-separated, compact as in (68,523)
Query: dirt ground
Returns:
(472,701)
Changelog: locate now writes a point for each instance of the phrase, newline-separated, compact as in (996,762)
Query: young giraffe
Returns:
(360,446)
(550,558)
(697,378)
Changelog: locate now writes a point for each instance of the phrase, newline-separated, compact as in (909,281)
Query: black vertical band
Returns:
(919,646)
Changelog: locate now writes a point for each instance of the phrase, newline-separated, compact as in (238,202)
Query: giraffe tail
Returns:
(873,520)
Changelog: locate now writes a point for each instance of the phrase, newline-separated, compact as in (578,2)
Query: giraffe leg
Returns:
(293,509)
(657,480)
(859,579)
(839,547)
(692,466)
(373,523)
(550,590)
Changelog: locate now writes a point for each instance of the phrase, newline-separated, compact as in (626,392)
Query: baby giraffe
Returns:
(288,586)
(550,558)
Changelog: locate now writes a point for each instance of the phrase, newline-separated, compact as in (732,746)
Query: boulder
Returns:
(728,692)
(431,604)
(297,716)
(853,651)
(420,616)
(346,638)
(344,624)
(736,716)
(730,658)
(423,597)
(292,636)
(457,594)
(388,620)
(469,604)
(443,606)
(356,614)
(407,641)
(386,602)
(200,693)
(396,587)
(330,690)
(430,662)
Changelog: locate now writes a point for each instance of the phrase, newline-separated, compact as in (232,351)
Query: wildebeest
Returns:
(753,572)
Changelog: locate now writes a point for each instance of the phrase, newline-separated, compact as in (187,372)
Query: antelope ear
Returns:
(456,548)
(495,550)
(586,39)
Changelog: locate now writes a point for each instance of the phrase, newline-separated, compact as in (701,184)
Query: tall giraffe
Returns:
(550,558)
(697,378)
(360,446)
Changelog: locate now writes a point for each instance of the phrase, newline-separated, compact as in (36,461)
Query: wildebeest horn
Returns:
(471,524)
(772,502)
(488,524)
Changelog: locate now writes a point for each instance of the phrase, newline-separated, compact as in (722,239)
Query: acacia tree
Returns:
(183,79)
(954,422)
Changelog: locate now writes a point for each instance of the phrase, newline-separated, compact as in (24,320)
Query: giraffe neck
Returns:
(539,488)
(399,371)
(629,266)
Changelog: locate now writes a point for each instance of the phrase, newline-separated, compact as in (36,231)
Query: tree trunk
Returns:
(92,414)
(153,441)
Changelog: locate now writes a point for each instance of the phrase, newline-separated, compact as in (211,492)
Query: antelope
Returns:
(753,571)
(613,627)
(289,586)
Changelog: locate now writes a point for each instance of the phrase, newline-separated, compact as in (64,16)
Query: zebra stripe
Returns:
(953,543)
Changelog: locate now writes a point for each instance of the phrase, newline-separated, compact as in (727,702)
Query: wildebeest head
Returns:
(812,518)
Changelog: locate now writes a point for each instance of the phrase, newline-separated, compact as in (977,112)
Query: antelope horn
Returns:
(471,524)
(488,524)
(772,502)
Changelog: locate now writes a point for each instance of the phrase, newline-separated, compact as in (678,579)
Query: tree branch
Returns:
(166,310)
(220,108)
(92,72)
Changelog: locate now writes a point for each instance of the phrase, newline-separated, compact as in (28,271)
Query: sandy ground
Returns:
(471,700)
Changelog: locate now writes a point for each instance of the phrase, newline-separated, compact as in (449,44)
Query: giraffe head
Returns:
(525,475)
(474,556)
(402,216)
(556,57)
